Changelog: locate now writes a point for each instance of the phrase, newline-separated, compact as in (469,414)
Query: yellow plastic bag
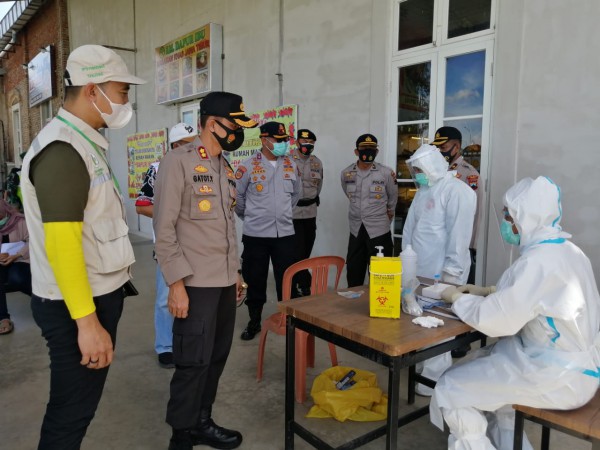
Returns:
(362,402)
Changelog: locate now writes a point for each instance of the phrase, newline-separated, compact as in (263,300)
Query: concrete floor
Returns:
(131,413)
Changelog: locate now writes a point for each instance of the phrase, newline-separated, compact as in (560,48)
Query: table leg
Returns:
(545,438)
(519,423)
(290,355)
(412,370)
(393,402)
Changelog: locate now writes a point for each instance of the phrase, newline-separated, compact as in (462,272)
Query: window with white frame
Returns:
(45,112)
(189,113)
(17,134)
(441,75)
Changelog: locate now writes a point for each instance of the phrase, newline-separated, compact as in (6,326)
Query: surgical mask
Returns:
(280,148)
(508,235)
(3,221)
(367,155)
(232,140)
(120,116)
(306,149)
(421,179)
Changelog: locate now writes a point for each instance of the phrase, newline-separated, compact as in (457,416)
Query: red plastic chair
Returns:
(305,343)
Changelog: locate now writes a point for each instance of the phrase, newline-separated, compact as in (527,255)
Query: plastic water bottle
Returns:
(409,264)
(436,279)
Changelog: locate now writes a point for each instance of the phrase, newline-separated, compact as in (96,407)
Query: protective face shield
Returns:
(535,206)
(427,166)
(507,233)
(120,115)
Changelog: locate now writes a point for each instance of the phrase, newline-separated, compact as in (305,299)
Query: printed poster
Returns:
(142,150)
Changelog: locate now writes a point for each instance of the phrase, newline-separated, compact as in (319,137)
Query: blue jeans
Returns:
(163,320)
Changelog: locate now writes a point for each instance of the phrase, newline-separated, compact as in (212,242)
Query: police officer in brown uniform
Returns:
(449,141)
(310,168)
(196,247)
(372,191)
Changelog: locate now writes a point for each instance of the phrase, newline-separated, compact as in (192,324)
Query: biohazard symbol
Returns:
(382,300)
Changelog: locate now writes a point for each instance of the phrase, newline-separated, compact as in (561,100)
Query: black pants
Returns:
(201,344)
(15,277)
(473,253)
(255,267)
(360,250)
(75,390)
(305,232)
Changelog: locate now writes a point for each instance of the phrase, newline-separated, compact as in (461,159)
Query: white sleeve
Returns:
(460,213)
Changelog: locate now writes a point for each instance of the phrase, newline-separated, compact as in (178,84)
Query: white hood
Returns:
(535,206)
(429,159)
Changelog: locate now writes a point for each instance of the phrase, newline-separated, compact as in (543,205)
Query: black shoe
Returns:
(165,360)
(252,329)
(211,434)
(461,352)
(181,440)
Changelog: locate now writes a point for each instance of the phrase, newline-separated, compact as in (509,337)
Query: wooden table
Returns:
(394,343)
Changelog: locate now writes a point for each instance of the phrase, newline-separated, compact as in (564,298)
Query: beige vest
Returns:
(108,252)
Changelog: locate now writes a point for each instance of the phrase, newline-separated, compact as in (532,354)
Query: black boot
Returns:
(253,327)
(181,440)
(211,434)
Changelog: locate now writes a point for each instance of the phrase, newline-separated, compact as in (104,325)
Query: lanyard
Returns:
(98,152)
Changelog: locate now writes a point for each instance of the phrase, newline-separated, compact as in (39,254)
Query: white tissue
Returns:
(428,321)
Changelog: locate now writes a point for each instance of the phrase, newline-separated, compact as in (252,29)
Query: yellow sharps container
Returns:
(385,285)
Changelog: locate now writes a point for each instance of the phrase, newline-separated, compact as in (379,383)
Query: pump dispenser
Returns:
(379,251)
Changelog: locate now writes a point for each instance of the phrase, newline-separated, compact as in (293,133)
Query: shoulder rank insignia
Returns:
(202,152)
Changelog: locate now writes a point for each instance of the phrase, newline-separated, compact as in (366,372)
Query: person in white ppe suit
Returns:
(546,309)
(439,226)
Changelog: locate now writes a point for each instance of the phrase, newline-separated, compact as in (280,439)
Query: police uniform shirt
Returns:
(467,173)
(266,196)
(194,223)
(371,193)
(311,175)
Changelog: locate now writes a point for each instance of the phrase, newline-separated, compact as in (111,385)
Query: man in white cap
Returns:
(79,244)
(179,135)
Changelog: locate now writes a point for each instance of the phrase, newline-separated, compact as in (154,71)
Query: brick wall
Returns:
(49,26)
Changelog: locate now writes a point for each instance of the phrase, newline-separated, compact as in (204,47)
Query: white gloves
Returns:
(447,278)
(482,291)
(452,293)
(410,305)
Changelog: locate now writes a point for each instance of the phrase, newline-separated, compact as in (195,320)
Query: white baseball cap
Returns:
(182,132)
(97,64)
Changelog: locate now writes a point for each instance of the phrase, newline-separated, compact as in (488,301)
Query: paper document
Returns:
(12,248)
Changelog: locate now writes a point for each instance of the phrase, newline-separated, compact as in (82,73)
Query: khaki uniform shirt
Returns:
(311,174)
(194,223)
(371,193)
(467,173)
(266,196)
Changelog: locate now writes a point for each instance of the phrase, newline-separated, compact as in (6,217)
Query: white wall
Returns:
(546,118)
(334,67)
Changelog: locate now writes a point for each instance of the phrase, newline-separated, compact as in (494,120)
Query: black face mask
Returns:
(232,140)
(306,149)
(448,154)
(367,155)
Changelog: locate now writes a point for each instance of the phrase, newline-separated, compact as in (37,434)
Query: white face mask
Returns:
(120,116)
